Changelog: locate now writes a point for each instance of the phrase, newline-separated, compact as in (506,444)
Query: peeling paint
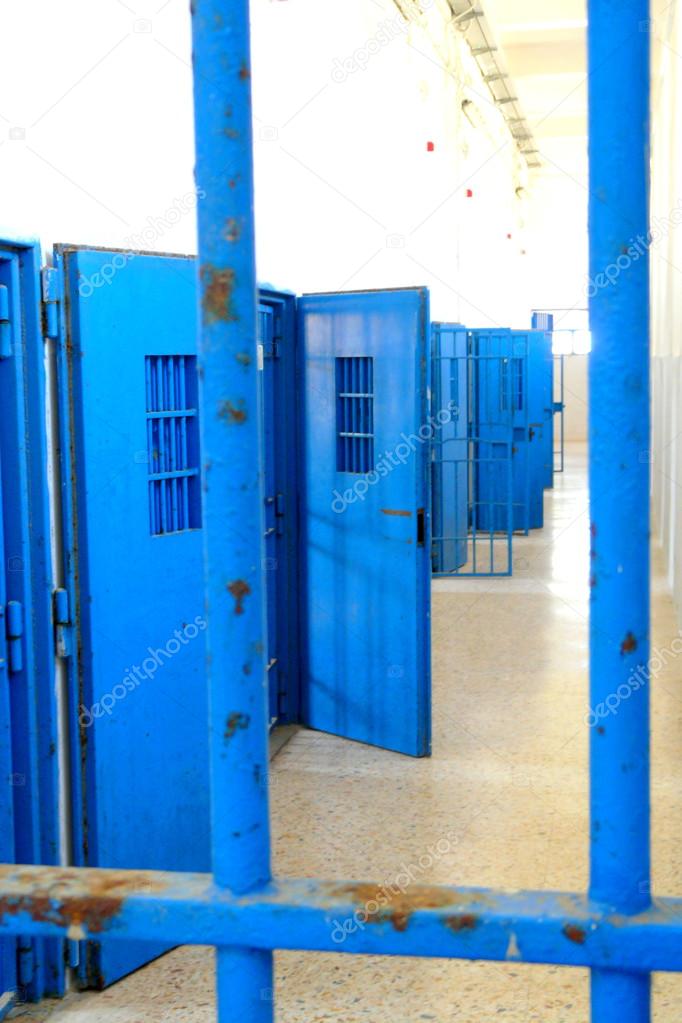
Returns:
(232,413)
(239,589)
(628,645)
(574,933)
(217,290)
(236,721)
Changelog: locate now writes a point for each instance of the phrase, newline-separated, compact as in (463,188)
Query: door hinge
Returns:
(14,630)
(50,287)
(5,324)
(62,622)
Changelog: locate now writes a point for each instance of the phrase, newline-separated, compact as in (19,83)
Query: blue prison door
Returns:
(364,516)
(539,418)
(29,815)
(133,536)
(450,447)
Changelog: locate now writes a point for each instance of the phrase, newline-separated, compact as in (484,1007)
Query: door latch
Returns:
(62,622)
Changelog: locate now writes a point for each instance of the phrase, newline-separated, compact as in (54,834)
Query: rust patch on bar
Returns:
(104,899)
(216,301)
(244,73)
(380,905)
(574,933)
(462,922)
(243,358)
(628,645)
(236,721)
(239,589)
(232,413)
(232,230)
(396,511)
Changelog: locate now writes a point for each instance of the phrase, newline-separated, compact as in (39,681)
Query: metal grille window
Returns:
(172,443)
(355,414)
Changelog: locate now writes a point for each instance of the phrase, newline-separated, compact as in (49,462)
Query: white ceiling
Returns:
(544,47)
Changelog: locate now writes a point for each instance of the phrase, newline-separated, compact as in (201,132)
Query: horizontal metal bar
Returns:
(332,916)
(179,413)
(175,474)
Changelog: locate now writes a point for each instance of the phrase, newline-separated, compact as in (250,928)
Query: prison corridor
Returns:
(502,802)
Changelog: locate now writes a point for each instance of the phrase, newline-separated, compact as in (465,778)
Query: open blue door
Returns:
(540,416)
(545,322)
(132,521)
(450,447)
(365,517)
(28,743)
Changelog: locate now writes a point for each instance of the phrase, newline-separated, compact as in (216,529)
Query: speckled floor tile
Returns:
(506,787)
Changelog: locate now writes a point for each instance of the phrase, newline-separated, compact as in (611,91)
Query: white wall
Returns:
(98,145)
(666,260)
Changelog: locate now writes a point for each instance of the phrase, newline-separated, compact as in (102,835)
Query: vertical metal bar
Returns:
(618,46)
(232,485)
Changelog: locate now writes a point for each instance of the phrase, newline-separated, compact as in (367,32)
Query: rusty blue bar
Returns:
(619,481)
(232,498)
(338,916)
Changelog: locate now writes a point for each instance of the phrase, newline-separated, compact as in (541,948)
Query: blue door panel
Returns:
(364,513)
(539,430)
(29,670)
(133,536)
(138,662)
(449,481)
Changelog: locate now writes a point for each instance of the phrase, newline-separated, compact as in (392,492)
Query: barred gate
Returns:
(473,380)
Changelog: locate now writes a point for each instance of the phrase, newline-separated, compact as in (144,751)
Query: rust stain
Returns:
(243,358)
(217,288)
(396,511)
(462,922)
(244,73)
(92,912)
(232,413)
(236,721)
(382,905)
(628,645)
(232,230)
(239,589)
(574,933)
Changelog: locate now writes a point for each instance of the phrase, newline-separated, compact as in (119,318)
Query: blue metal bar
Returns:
(337,916)
(618,46)
(233,498)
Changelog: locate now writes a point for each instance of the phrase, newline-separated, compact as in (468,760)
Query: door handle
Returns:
(421,527)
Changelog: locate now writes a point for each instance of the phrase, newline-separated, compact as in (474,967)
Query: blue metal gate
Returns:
(616,930)
(472,479)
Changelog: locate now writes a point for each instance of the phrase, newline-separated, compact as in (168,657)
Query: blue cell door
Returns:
(450,446)
(28,739)
(133,588)
(365,516)
(131,476)
(277,366)
(8,946)
(539,411)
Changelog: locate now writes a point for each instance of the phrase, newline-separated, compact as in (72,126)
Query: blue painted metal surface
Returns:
(234,546)
(130,453)
(450,447)
(8,945)
(476,451)
(619,479)
(545,321)
(137,659)
(617,931)
(364,516)
(349,916)
(29,672)
(277,361)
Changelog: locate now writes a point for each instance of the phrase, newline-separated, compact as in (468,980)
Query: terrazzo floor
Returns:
(506,788)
